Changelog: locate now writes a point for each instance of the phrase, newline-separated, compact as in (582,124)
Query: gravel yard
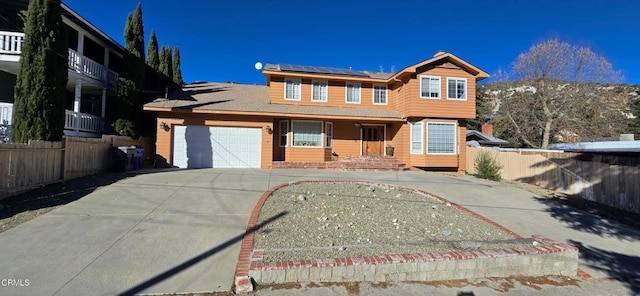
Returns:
(332,220)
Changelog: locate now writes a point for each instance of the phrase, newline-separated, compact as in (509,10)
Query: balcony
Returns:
(81,122)
(11,45)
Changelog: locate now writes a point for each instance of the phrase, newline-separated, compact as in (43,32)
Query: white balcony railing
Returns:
(11,43)
(83,122)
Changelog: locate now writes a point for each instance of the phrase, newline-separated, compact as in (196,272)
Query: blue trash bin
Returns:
(137,158)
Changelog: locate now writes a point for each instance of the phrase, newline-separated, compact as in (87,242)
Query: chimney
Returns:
(440,52)
(487,129)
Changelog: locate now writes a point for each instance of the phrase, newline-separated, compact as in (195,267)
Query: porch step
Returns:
(364,163)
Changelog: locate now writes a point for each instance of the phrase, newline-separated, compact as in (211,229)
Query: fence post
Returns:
(63,158)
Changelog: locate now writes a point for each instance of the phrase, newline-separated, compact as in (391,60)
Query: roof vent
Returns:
(440,52)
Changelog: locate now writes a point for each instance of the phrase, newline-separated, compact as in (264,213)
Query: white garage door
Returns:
(197,146)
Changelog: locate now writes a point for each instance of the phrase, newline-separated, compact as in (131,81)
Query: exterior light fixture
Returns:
(268,129)
(164,126)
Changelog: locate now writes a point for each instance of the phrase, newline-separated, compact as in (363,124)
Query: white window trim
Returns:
(299,81)
(455,139)
(466,87)
(346,88)
(286,124)
(439,83)
(293,122)
(422,138)
(326,90)
(373,94)
(327,136)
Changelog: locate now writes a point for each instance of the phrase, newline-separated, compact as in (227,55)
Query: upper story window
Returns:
(456,88)
(292,89)
(352,95)
(379,95)
(429,87)
(319,91)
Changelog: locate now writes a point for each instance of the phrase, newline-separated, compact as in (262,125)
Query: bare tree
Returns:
(558,88)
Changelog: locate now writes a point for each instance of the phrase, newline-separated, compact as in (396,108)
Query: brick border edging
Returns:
(248,259)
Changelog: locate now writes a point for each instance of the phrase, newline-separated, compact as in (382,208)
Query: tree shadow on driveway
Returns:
(179,268)
(620,267)
(594,218)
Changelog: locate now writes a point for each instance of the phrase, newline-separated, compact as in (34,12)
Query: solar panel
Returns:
(321,70)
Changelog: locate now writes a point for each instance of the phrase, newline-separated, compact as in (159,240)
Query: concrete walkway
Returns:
(180,231)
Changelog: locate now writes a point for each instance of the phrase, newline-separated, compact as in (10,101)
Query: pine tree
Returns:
(165,62)
(153,60)
(177,72)
(42,76)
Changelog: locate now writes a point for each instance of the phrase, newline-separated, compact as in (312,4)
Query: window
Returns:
(352,93)
(379,95)
(292,89)
(457,89)
(416,137)
(429,87)
(329,135)
(284,132)
(307,133)
(441,138)
(319,91)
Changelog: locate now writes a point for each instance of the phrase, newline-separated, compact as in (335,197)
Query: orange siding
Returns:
(164,141)
(346,139)
(305,154)
(440,108)
(335,93)
(401,142)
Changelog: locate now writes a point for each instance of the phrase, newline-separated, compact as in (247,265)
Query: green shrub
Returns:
(124,127)
(487,167)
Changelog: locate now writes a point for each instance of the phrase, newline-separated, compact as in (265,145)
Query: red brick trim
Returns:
(250,259)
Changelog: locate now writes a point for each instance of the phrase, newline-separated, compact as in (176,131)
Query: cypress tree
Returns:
(134,33)
(177,72)
(166,64)
(42,76)
(131,80)
(153,60)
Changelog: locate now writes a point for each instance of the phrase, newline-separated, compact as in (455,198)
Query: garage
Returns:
(198,146)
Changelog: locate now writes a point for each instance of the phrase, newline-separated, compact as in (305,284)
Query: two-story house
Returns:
(94,63)
(317,114)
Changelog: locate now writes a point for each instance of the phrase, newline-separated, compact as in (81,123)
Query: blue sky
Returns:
(222,40)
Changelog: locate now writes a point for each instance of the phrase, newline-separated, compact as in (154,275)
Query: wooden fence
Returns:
(27,166)
(613,180)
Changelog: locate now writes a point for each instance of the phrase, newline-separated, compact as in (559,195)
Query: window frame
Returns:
(346,92)
(466,87)
(373,94)
(328,139)
(286,135)
(326,90)
(455,138)
(294,80)
(439,87)
(411,131)
(293,124)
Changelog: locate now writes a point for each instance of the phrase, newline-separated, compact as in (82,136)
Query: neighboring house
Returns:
(94,63)
(484,138)
(317,114)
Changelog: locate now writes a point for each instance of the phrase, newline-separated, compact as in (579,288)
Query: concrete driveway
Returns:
(180,231)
